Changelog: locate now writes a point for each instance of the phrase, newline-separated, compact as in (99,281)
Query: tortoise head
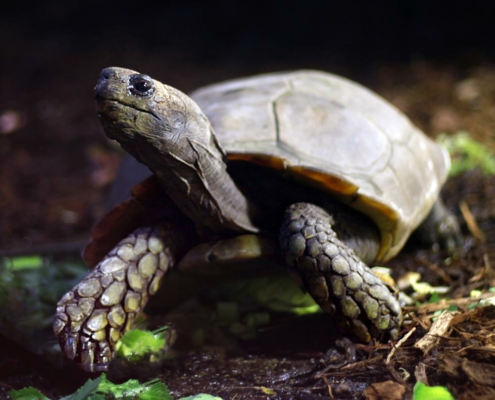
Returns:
(149,119)
(167,131)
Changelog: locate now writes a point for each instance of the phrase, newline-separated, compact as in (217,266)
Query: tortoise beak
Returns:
(104,81)
(109,86)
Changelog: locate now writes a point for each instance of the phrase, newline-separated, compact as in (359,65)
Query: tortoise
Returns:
(305,168)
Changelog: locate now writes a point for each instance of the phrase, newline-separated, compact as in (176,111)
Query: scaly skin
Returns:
(94,315)
(338,280)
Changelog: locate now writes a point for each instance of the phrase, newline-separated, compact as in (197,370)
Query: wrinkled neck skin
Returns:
(170,134)
(203,189)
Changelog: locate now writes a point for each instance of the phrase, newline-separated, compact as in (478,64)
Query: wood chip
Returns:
(387,390)
(437,330)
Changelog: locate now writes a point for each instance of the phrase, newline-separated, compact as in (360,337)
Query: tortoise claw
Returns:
(70,347)
(95,314)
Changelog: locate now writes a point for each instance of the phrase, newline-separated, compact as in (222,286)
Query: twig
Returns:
(437,330)
(471,222)
(329,387)
(434,268)
(399,343)
(484,271)
(442,304)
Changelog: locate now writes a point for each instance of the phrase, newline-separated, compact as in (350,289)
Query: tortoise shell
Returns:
(337,136)
(322,130)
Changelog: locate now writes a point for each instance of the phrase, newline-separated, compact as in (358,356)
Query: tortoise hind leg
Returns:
(439,228)
(95,313)
(336,278)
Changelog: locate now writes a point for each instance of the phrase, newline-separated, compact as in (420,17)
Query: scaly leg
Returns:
(338,280)
(94,315)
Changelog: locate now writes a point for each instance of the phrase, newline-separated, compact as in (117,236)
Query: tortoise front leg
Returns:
(94,315)
(336,278)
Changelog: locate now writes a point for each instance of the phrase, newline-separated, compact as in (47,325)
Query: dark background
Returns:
(259,35)
(55,163)
(262,35)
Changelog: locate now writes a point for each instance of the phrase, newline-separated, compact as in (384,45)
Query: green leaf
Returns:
(452,308)
(277,293)
(423,392)
(28,393)
(84,392)
(24,262)
(434,298)
(268,391)
(254,319)
(228,312)
(157,391)
(152,390)
(136,344)
(201,396)
(467,154)
(130,388)
(36,291)
(424,288)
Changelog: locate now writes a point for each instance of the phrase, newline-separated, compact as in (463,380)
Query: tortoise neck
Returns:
(210,198)
(196,179)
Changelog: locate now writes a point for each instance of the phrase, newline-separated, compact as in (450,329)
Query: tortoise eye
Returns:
(141,85)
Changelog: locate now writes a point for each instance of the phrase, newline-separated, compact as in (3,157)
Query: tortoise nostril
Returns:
(105,78)
(106,74)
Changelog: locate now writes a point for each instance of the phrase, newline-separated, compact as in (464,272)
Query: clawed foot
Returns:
(94,315)
(338,280)
(440,229)
(449,233)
